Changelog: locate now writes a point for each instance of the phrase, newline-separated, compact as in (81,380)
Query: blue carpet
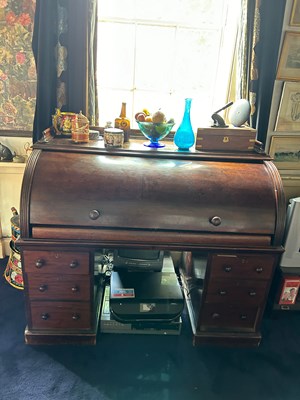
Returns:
(139,367)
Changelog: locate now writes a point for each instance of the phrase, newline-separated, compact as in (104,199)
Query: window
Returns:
(155,54)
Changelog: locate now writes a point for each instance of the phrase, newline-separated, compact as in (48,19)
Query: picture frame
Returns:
(288,117)
(295,14)
(285,151)
(289,61)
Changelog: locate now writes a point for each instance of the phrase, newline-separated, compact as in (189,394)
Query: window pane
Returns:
(154,57)
(116,55)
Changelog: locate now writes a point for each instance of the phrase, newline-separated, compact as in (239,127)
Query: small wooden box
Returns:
(226,139)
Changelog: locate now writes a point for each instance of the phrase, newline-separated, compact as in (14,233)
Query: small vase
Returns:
(184,137)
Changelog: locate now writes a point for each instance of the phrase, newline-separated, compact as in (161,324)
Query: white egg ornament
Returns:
(239,112)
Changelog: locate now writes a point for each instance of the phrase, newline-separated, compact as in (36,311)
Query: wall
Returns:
(290,175)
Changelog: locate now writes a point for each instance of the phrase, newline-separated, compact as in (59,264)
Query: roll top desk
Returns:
(224,214)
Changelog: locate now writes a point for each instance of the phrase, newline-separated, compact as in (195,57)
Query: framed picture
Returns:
(288,117)
(295,14)
(289,62)
(285,150)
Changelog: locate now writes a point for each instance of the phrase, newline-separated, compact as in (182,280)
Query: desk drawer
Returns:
(236,292)
(59,287)
(222,317)
(60,315)
(62,262)
(242,266)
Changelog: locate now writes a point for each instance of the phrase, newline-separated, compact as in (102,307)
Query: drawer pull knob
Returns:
(74,264)
(252,293)
(227,268)
(43,288)
(45,316)
(216,221)
(75,317)
(94,214)
(243,316)
(216,316)
(222,292)
(75,289)
(259,270)
(39,263)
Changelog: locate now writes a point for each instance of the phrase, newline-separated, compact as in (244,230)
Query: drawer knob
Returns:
(259,270)
(216,316)
(227,268)
(45,316)
(94,214)
(222,292)
(74,264)
(216,221)
(243,316)
(252,293)
(75,289)
(43,288)
(39,263)
(75,317)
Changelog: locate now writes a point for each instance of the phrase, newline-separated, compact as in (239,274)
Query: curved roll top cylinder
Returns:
(109,191)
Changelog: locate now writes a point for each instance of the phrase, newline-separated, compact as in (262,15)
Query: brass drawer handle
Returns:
(43,288)
(222,292)
(74,264)
(227,268)
(216,221)
(45,316)
(39,263)
(94,214)
(252,293)
(259,270)
(75,289)
(75,317)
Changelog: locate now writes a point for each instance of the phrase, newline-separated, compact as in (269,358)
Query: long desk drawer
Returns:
(60,315)
(59,287)
(61,262)
(242,266)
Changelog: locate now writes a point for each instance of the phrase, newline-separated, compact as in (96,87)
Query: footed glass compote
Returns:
(155,132)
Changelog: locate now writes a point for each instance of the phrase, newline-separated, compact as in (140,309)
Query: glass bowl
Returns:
(155,132)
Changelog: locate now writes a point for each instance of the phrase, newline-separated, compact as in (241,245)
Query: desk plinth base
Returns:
(226,339)
(53,338)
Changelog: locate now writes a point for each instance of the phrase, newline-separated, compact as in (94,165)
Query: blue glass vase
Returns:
(184,137)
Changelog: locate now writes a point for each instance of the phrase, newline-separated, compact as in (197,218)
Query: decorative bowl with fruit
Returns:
(154,127)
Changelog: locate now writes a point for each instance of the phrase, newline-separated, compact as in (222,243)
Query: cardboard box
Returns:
(289,291)
(229,139)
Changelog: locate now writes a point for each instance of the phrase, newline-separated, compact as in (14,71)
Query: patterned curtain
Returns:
(64,45)
(258,46)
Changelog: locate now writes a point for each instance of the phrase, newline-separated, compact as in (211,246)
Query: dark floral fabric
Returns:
(17,66)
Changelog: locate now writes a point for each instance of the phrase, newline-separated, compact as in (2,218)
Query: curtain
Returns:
(258,47)
(64,46)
